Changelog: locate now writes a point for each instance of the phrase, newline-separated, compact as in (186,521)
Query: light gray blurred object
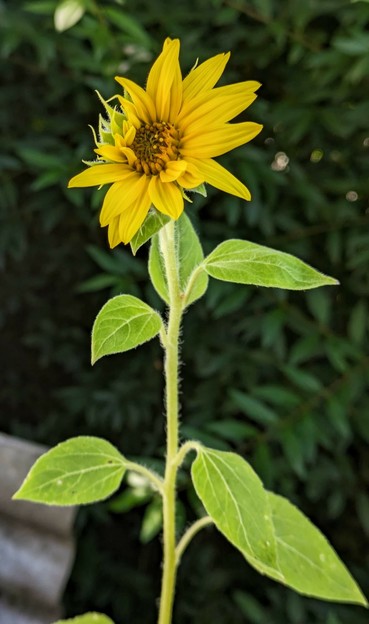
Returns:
(36,543)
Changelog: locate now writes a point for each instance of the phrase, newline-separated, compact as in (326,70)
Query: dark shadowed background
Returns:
(281,378)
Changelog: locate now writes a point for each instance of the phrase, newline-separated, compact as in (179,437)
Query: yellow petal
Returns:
(99,174)
(166,197)
(154,76)
(191,177)
(219,106)
(109,152)
(216,175)
(131,219)
(175,101)
(205,76)
(142,101)
(129,135)
(218,141)
(131,156)
(173,170)
(130,111)
(120,196)
(164,83)
(113,233)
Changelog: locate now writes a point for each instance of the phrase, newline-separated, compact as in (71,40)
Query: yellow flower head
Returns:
(165,139)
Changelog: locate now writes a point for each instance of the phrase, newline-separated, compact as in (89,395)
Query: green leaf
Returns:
(206,438)
(87,618)
(109,261)
(97,282)
(68,13)
(319,304)
(247,263)
(362,506)
(235,499)
(38,159)
(272,534)
(355,45)
(79,471)
(40,7)
(305,348)
(192,280)
(358,322)
(293,447)
(253,408)
(306,559)
(156,269)
(195,287)
(302,379)
(123,323)
(130,498)
(128,25)
(276,395)
(249,607)
(153,223)
(152,521)
(232,430)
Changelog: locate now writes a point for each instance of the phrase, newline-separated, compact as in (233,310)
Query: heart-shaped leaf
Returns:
(79,471)
(123,323)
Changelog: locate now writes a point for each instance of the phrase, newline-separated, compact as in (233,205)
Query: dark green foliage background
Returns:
(292,367)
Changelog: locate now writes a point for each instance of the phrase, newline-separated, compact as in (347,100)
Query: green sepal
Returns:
(123,323)
(201,190)
(106,138)
(116,122)
(78,471)
(154,221)
(116,117)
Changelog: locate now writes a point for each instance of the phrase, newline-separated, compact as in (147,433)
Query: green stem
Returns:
(168,250)
(191,445)
(154,479)
(190,534)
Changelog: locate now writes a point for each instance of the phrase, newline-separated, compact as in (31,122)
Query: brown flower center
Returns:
(154,146)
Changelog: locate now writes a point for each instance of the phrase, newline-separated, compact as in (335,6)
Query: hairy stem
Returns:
(167,245)
(191,445)
(154,479)
(190,534)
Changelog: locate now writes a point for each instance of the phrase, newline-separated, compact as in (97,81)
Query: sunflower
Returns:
(164,139)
